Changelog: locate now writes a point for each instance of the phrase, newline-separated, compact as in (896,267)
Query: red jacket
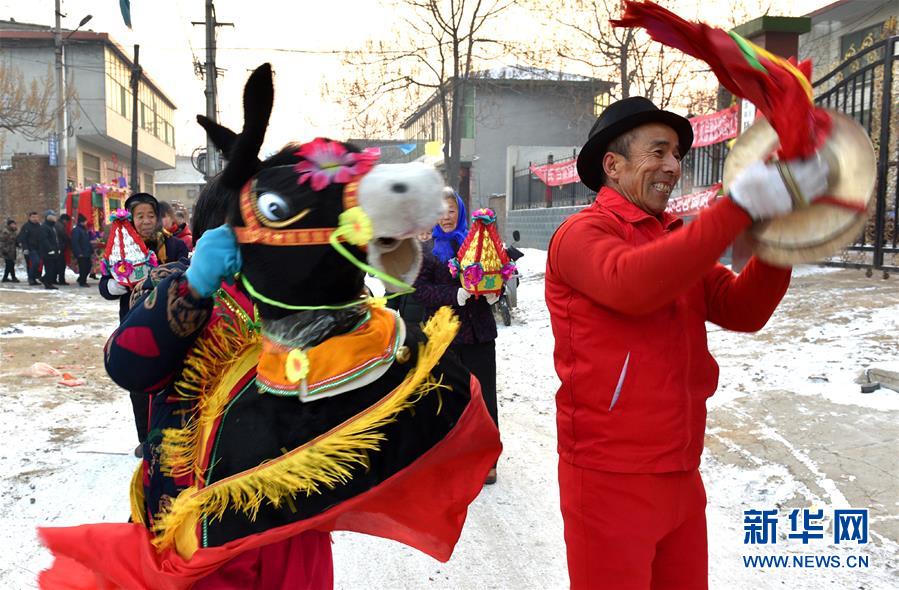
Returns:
(183,233)
(628,296)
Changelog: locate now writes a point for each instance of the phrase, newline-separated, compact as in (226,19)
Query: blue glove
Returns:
(216,258)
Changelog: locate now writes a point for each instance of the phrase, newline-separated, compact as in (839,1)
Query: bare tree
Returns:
(27,108)
(587,42)
(431,56)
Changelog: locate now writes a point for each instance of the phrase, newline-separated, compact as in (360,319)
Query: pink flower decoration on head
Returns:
(507,271)
(325,162)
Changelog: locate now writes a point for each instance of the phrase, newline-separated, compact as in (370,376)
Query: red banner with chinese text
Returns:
(557,174)
(716,127)
(691,204)
(707,130)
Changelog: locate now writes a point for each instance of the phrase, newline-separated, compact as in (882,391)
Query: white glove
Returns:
(491,298)
(462,296)
(762,192)
(115,288)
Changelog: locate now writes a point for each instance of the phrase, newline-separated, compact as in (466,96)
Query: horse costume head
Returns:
(310,216)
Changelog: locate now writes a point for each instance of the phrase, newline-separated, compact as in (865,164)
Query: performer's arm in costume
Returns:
(147,350)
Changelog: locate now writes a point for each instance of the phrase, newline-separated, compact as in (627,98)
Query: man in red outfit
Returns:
(629,289)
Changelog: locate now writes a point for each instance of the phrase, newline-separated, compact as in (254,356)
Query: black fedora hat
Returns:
(619,117)
(138,198)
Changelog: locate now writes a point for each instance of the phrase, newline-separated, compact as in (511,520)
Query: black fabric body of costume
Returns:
(271,423)
(274,423)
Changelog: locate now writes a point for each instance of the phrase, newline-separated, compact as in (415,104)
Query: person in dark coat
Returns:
(475,344)
(411,309)
(8,238)
(30,242)
(65,247)
(144,210)
(50,250)
(145,218)
(82,249)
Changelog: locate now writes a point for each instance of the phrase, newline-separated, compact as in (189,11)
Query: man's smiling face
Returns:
(648,172)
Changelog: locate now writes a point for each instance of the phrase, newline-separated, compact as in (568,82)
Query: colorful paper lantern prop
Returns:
(482,264)
(126,257)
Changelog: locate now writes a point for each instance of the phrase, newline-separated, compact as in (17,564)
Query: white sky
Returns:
(280,32)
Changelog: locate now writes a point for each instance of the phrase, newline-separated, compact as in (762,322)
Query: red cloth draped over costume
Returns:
(423,506)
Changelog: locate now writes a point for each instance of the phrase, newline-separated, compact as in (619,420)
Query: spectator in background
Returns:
(8,237)
(65,247)
(183,230)
(166,217)
(30,242)
(97,251)
(172,224)
(82,249)
(50,249)
(475,344)
(411,309)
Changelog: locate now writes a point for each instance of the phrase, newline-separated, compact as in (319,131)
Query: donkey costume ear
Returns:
(258,96)
(223,138)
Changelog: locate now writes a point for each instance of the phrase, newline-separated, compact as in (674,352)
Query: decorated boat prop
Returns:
(482,264)
(126,257)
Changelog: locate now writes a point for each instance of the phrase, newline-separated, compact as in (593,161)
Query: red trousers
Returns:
(638,531)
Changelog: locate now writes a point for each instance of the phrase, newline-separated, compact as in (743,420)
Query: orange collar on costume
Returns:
(256,232)
(336,361)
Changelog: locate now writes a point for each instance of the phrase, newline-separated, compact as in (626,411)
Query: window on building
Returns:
(147,183)
(468,112)
(600,102)
(90,164)
(155,115)
(854,42)
(118,85)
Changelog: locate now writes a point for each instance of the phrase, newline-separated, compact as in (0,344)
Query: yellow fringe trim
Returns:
(326,461)
(137,495)
(206,365)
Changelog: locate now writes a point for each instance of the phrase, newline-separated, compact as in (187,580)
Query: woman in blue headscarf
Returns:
(435,287)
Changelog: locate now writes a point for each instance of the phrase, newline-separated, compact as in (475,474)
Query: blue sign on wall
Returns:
(53,150)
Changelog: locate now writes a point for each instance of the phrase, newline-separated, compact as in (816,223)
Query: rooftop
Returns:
(12,30)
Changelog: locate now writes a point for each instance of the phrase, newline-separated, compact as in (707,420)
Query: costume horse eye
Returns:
(273,207)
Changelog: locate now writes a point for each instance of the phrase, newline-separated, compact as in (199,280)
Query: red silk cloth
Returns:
(777,92)
(423,506)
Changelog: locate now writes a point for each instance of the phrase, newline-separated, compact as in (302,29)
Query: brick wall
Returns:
(30,185)
(537,225)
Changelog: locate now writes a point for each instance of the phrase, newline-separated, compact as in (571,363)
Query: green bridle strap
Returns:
(333,240)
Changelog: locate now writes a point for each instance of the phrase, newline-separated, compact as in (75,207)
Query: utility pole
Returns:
(212,160)
(135,86)
(212,163)
(61,135)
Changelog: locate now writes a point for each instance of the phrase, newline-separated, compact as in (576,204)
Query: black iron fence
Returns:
(529,191)
(864,87)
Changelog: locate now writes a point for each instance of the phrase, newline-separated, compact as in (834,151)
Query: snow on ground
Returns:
(788,428)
